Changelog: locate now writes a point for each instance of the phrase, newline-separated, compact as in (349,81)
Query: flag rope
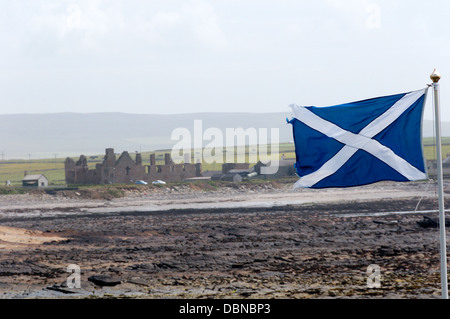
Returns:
(430,180)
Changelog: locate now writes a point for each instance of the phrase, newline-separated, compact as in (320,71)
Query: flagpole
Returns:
(435,77)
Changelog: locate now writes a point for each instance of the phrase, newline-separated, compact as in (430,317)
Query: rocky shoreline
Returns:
(258,241)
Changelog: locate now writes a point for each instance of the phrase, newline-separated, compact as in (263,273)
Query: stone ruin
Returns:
(126,170)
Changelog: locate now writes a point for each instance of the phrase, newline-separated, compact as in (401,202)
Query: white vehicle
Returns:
(158,182)
(141,182)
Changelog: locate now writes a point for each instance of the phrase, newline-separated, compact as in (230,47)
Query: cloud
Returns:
(205,24)
(86,24)
(364,13)
(75,25)
(195,22)
(164,20)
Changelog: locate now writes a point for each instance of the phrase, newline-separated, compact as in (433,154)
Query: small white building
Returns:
(35,181)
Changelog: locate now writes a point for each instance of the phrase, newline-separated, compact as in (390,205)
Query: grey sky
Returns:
(183,56)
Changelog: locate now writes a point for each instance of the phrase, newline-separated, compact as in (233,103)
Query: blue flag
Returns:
(360,143)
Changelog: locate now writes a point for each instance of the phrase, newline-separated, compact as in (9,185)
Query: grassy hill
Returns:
(38,136)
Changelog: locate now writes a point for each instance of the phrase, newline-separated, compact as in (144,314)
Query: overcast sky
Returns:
(183,56)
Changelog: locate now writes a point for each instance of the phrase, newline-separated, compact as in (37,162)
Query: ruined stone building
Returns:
(285,168)
(432,167)
(126,170)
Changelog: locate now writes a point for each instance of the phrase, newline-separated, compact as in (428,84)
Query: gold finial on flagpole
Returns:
(435,76)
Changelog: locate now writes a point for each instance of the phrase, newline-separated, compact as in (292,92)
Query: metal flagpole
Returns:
(435,77)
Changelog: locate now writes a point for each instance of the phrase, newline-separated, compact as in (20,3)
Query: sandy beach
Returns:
(238,241)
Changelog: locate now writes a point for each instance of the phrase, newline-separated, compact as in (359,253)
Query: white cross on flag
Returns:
(361,142)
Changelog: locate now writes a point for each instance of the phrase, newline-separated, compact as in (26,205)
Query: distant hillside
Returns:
(72,134)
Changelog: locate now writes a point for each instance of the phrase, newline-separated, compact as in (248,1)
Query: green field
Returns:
(53,168)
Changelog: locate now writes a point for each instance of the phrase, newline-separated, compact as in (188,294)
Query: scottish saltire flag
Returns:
(360,143)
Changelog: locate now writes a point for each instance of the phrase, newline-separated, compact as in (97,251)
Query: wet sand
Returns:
(241,241)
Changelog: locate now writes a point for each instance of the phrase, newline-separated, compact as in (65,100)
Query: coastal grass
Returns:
(53,168)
